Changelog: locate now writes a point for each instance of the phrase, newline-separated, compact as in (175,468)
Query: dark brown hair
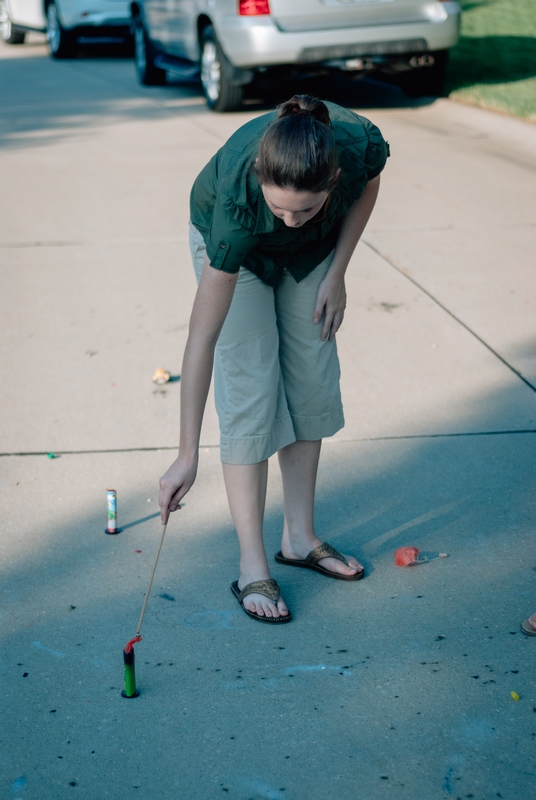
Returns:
(298,150)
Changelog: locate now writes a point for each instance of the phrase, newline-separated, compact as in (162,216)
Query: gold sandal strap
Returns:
(269,588)
(324,550)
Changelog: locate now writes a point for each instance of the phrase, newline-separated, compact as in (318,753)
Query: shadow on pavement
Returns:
(41,101)
(403,678)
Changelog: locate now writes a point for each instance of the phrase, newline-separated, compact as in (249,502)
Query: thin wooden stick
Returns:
(150,581)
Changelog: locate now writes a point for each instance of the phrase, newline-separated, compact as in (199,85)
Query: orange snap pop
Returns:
(406,556)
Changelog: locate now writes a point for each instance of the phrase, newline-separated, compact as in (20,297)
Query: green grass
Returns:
(494,63)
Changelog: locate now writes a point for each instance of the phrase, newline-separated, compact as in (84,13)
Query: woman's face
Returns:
(294,208)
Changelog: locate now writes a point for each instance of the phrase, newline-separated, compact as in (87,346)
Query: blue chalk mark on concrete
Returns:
(55,653)
(215,620)
(236,685)
(19,784)
(265,790)
(317,668)
(447,783)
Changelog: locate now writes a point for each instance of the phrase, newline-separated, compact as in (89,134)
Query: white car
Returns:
(67,23)
(232,43)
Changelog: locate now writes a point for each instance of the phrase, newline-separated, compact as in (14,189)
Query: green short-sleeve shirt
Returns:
(227,205)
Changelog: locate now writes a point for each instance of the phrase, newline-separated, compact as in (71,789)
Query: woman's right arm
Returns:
(212,302)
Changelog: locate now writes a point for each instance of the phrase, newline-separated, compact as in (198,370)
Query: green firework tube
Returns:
(130,674)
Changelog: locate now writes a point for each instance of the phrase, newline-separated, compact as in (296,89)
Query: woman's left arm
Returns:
(331,297)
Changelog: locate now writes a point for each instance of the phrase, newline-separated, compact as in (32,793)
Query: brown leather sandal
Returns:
(323,550)
(270,589)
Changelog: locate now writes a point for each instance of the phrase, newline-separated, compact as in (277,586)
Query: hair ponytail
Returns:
(306,106)
(298,150)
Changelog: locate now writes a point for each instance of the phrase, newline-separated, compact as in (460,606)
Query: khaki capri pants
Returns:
(275,380)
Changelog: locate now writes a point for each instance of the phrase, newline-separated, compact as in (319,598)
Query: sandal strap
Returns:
(269,588)
(324,550)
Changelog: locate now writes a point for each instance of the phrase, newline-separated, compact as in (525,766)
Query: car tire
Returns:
(220,93)
(7,33)
(426,81)
(62,42)
(144,55)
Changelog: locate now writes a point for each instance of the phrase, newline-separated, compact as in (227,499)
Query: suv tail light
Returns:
(253,8)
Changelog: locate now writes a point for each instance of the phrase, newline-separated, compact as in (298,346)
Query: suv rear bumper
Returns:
(257,41)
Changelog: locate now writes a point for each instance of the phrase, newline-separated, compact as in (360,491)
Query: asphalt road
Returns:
(396,687)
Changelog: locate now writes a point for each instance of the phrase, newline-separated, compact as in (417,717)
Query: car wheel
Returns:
(220,93)
(62,42)
(144,55)
(6,28)
(426,81)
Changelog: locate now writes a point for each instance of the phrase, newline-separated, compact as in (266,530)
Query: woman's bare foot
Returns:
(300,547)
(258,603)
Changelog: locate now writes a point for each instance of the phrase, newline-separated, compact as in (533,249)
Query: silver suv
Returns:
(233,43)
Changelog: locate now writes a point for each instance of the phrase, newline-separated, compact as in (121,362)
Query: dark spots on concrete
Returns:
(419,596)
(515,671)
(72,608)
(167,596)
(423,663)
(439,638)
(346,667)
(291,676)
(60,756)
(475,677)
(279,648)
(231,737)
(239,677)
(199,668)
(25,674)
(392,728)
(287,756)
(384,777)
(342,651)
(73,783)
(52,711)
(512,633)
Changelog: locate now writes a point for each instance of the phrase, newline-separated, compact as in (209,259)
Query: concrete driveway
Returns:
(396,687)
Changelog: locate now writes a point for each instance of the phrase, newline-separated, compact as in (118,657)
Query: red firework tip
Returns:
(130,645)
